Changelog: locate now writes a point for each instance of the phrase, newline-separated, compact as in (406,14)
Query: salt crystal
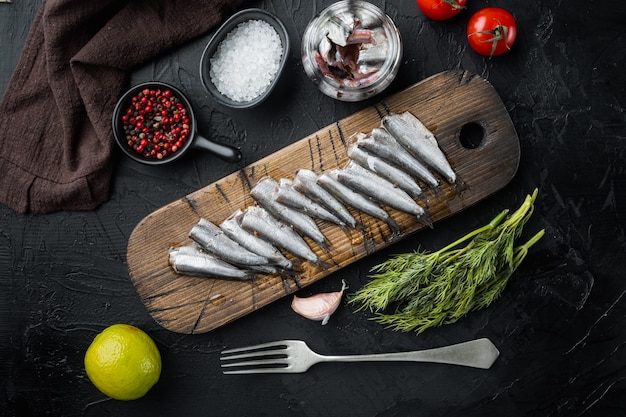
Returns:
(246,61)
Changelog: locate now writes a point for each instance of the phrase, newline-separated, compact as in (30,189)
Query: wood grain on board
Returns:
(445,103)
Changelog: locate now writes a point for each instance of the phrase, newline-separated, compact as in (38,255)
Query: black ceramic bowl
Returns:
(218,37)
(194,139)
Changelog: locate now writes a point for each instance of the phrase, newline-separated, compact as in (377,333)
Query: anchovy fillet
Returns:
(257,220)
(376,54)
(190,260)
(378,188)
(262,247)
(264,192)
(306,182)
(383,144)
(330,182)
(338,30)
(291,197)
(414,136)
(384,169)
(212,239)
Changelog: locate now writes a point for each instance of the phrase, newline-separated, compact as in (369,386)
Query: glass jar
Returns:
(351,50)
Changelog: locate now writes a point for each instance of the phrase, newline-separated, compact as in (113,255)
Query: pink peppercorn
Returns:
(155,123)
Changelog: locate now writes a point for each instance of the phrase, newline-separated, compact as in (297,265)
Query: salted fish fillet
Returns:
(265,192)
(288,195)
(376,54)
(378,188)
(305,181)
(248,240)
(329,181)
(411,133)
(212,239)
(257,220)
(382,143)
(339,30)
(190,260)
(381,167)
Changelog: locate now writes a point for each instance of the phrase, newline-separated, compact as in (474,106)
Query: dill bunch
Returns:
(428,289)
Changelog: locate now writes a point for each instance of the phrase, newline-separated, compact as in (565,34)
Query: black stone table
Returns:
(560,324)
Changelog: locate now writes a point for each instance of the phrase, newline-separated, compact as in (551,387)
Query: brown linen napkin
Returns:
(56,140)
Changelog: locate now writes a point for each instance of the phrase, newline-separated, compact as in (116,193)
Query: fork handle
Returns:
(479,353)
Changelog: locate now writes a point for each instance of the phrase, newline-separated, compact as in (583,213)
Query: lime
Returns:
(123,362)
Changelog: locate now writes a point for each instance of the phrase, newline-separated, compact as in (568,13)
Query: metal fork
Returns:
(294,356)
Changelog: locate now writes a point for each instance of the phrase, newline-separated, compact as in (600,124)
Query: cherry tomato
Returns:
(441,9)
(491,31)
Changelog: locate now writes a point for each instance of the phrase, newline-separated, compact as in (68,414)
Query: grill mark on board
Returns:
(219,189)
(319,152)
(191,203)
(311,156)
(333,147)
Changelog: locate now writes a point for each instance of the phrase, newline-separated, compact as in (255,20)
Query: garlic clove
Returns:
(319,307)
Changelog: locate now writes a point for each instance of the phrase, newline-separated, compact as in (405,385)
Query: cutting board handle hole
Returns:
(472,135)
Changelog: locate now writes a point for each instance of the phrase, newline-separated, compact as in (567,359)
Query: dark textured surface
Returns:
(560,324)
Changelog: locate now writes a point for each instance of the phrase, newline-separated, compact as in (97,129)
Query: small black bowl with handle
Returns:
(128,141)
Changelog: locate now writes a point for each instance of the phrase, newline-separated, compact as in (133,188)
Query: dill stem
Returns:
(493,223)
(522,251)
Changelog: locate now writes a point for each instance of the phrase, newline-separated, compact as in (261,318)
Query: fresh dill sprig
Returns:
(428,289)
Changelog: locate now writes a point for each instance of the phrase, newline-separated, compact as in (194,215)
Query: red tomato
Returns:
(441,9)
(491,31)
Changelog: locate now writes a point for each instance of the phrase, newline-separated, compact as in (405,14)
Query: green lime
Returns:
(123,362)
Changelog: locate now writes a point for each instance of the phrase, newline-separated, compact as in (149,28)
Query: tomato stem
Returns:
(454,4)
(499,33)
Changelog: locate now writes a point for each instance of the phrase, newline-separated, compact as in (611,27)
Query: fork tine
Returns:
(266,358)
(256,347)
(271,357)
(255,354)
(257,371)
(279,361)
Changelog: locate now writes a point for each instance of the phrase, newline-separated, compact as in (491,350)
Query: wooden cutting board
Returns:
(450,104)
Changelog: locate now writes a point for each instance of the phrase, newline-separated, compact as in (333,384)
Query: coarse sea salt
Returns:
(246,61)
